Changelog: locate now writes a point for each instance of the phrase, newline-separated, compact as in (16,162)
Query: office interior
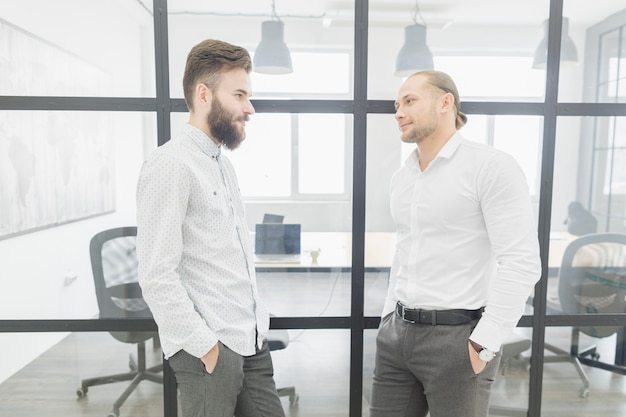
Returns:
(89,88)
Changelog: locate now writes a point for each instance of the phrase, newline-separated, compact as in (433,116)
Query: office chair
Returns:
(278,339)
(591,280)
(114,266)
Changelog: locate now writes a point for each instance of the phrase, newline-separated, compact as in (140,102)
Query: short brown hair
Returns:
(444,82)
(207,61)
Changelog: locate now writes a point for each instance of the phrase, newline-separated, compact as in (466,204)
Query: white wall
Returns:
(34,265)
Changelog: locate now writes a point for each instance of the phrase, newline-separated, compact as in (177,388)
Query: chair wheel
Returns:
(81,392)
(583,392)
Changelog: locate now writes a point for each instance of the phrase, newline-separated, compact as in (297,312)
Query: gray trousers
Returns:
(421,368)
(240,386)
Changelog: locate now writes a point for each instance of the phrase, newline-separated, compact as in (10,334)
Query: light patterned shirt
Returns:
(466,237)
(196,264)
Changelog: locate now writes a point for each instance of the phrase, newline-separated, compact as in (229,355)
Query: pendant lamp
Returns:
(569,55)
(414,54)
(272,55)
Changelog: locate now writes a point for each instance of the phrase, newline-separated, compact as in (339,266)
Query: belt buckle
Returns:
(404,315)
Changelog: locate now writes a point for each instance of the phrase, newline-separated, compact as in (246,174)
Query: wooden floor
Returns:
(316,362)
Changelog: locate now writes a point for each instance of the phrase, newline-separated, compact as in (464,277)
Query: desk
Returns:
(336,252)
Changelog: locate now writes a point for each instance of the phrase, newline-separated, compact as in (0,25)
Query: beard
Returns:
(419,133)
(224,126)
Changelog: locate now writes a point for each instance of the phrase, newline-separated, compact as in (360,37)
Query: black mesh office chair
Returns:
(591,280)
(114,266)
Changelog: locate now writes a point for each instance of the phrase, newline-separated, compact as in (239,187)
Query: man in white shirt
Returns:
(465,262)
(196,265)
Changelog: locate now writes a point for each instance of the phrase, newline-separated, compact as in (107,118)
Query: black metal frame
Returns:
(360,107)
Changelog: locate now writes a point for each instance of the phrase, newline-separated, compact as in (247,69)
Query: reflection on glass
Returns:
(316,363)
(602,51)
(319,35)
(294,156)
(43,56)
(68,361)
(76,161)
(564,384)
(315,73)
(594,147)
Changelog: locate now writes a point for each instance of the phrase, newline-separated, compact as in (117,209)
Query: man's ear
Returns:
(203,95)
(447,101)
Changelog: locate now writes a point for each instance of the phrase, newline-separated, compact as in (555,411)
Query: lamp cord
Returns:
(417,12)
(274,14)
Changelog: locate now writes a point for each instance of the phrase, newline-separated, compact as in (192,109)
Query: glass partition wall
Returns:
(542,80)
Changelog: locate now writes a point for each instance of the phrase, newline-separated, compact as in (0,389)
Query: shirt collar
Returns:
(446,152)
(203,141)
(451,146)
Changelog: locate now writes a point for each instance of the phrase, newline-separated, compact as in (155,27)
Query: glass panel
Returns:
(76,176)
(264,161)
(318,35)
(597,38)
(329,351)
(563,384)
(593,148)
(316,73)
(67,361)
(588,198)
(305,290)
(461,42)
(285,165)
(322,138)
(43,55)
(510,390)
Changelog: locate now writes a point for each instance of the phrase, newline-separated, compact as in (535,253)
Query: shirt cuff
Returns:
(488,335)
(200,342)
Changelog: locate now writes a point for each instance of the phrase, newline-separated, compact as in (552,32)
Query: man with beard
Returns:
(196,265)
(466,260)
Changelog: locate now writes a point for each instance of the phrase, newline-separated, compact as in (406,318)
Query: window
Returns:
(299,156)
(294,156)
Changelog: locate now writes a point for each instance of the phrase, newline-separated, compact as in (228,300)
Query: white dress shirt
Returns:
(196,265)
(466,237)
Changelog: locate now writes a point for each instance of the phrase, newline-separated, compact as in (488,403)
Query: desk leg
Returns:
(620,347)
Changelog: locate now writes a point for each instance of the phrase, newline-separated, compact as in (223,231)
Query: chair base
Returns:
(290,392)
(140,373)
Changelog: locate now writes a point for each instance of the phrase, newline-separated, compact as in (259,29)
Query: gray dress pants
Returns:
(240,386)
(421,368)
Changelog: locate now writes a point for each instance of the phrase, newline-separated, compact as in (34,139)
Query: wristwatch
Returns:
(484,354)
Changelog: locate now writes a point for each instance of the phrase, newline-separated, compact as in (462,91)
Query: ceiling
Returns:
(434,12)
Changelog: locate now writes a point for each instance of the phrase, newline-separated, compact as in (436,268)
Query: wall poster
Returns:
(55,166)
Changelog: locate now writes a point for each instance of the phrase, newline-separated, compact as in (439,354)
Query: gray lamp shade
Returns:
(414,54)
(569,55)
(272,55)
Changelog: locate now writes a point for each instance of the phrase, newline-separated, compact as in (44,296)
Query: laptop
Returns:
(277,243)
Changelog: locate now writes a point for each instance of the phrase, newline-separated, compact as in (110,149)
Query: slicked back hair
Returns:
(207,61)
(444,82)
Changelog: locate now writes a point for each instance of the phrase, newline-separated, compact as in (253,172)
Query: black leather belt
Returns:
(434,317)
